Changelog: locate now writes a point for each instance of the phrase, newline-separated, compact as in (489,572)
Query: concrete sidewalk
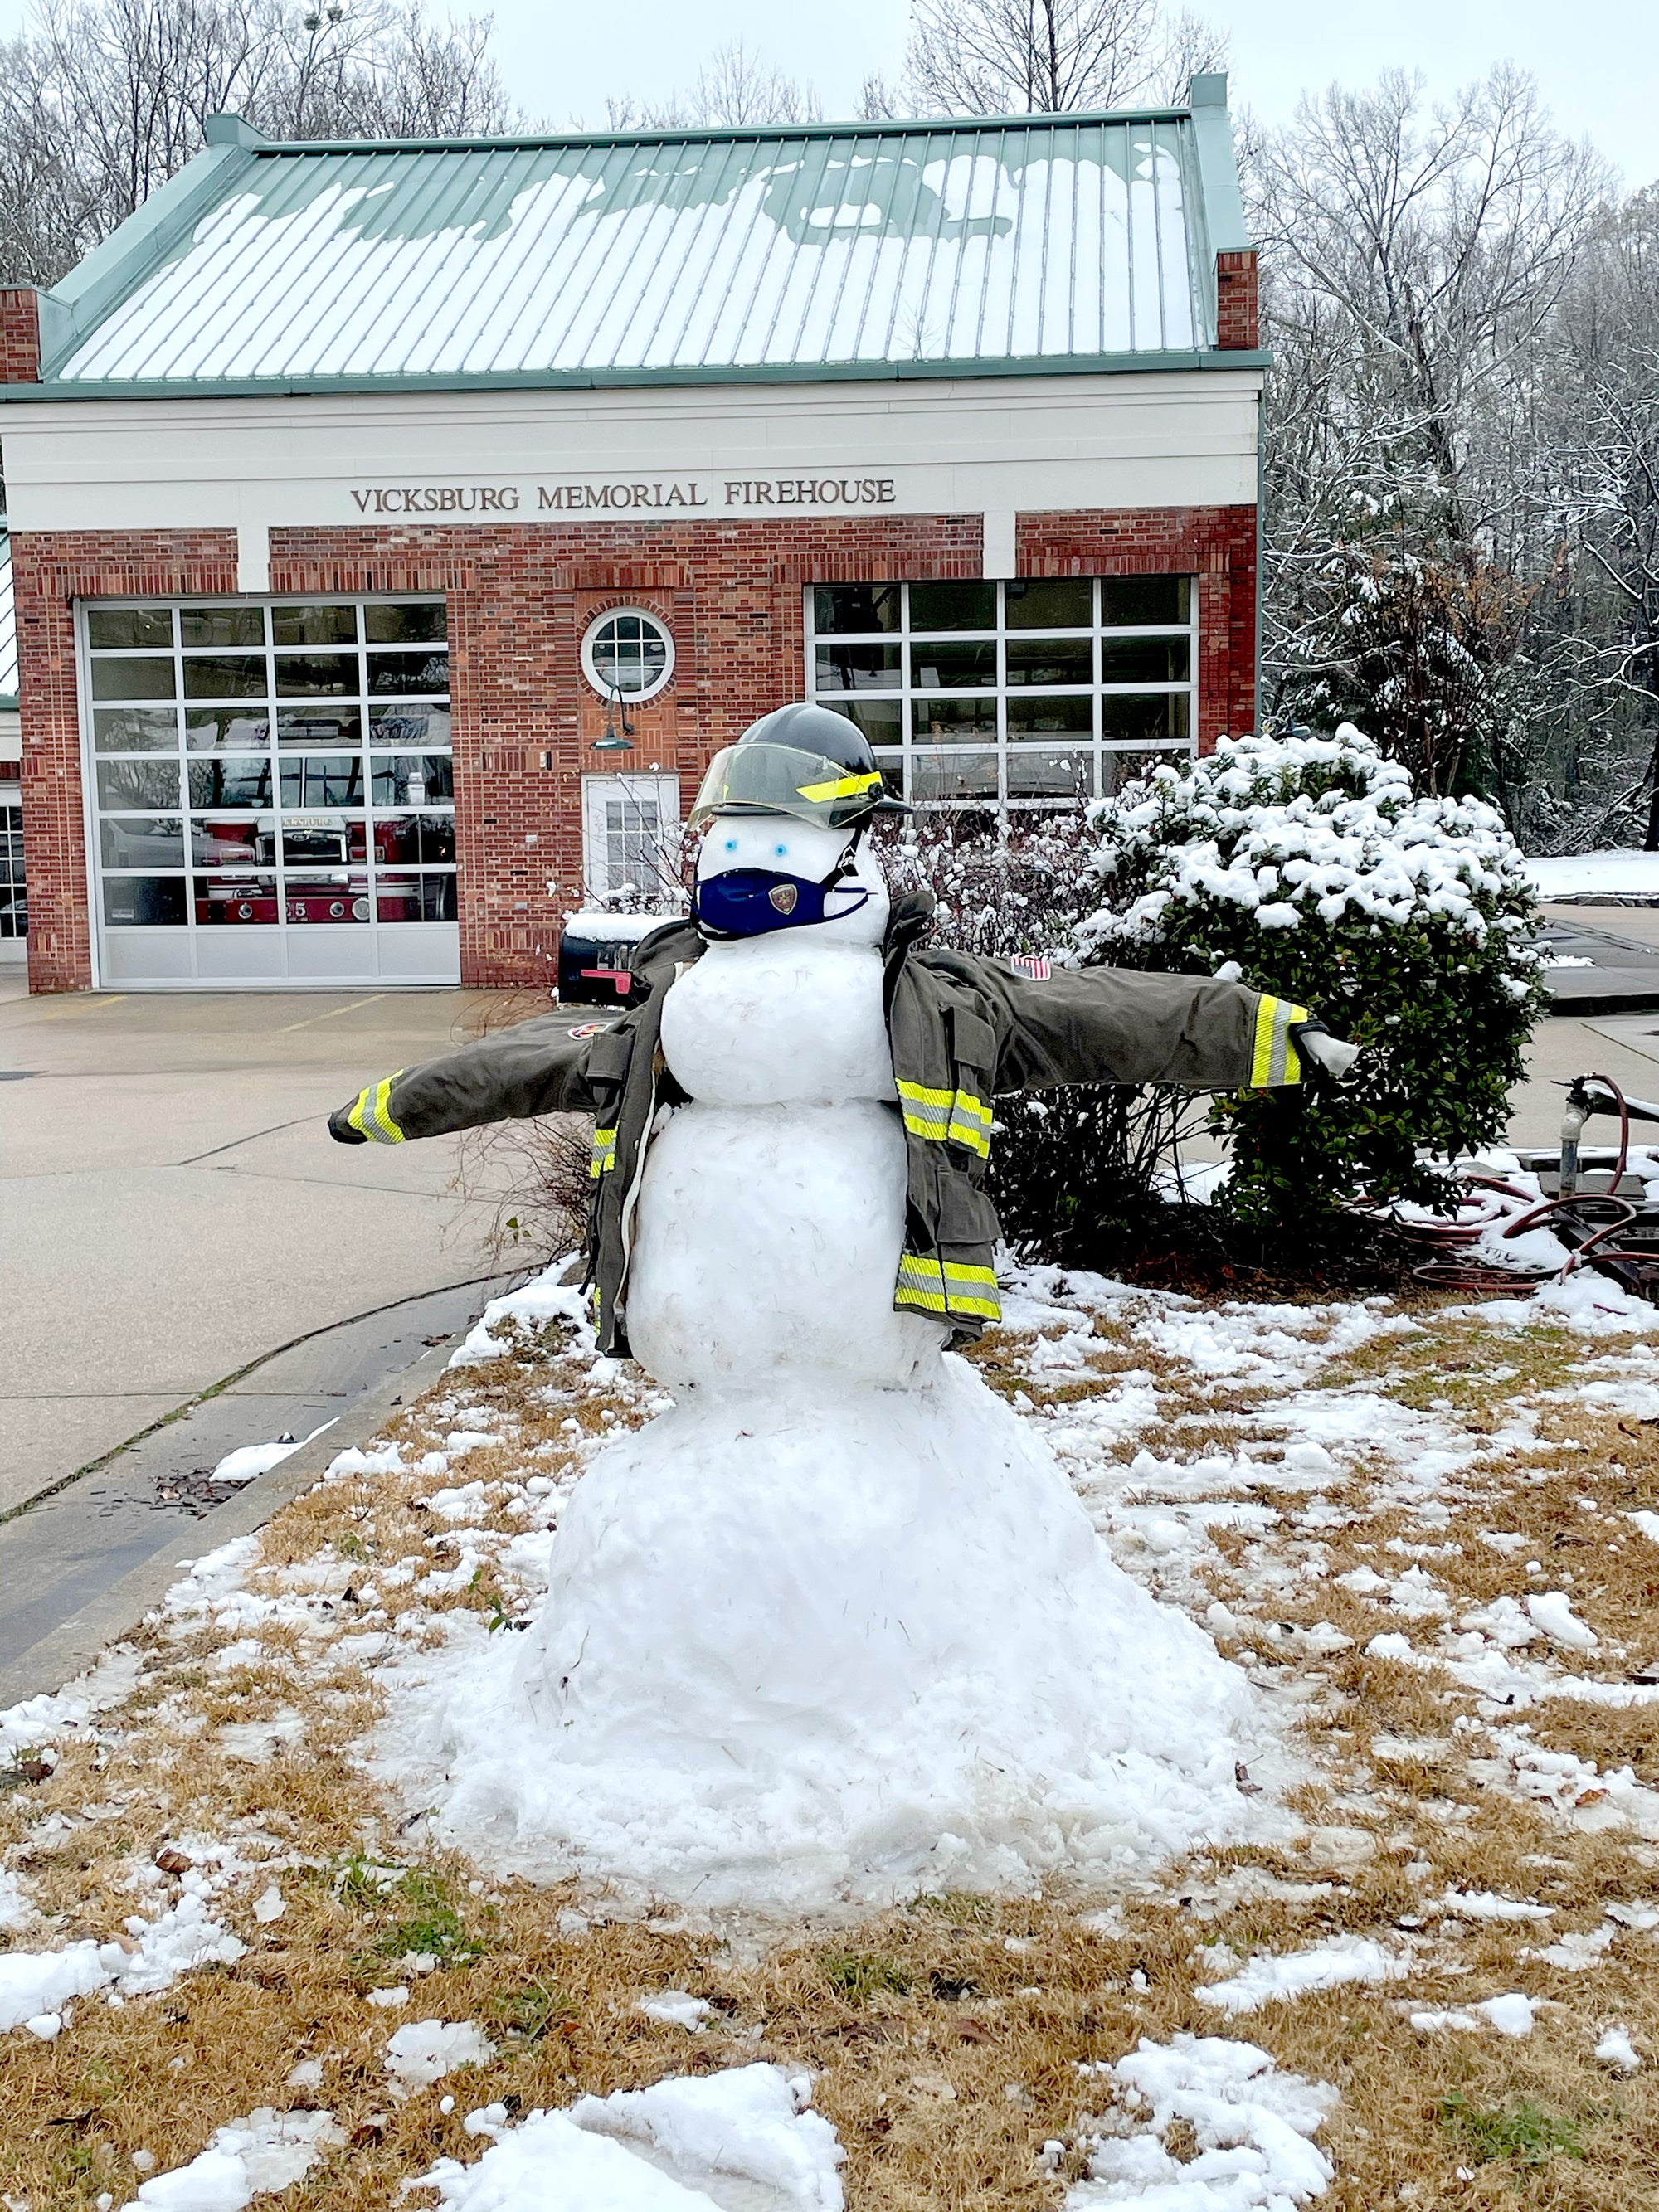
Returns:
(172,1205)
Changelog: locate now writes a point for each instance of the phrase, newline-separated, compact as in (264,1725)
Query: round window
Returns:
(627,653)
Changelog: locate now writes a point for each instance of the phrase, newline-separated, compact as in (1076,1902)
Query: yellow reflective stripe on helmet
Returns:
(846,787)
(947,1286)
(1274,1058)
(603,1155)
(372,1115)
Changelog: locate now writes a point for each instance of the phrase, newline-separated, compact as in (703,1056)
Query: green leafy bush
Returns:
(1305,866)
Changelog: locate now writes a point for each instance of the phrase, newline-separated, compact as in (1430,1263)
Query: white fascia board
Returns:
(1159,440)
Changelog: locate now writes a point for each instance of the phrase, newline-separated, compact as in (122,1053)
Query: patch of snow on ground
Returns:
(1253,2126)
(1266,1978)
(426,2049)
(253,2157)
(35,1985)
(744,2140)
(544,1299)
(677,2009)
(1616,2049)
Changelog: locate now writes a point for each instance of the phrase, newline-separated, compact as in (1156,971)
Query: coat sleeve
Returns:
(535,1067)
(1117,1025)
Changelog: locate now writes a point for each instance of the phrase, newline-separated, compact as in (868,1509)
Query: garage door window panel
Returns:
(416,897)
(1036,662)
(109,629)
(409,674)
(231,780)
(410,622)
(1039,716)
(145,901)
(320,724)
(1035,774)
(142,840)
(247,899)
(134,730)
(313,779)
(129,676)
(1050,603)
(1146,720)
(146,786)
(226,729)
(318,675)
(409,726)
(200,627)
(226,676)
(859,668)
(402,780)
(314,625)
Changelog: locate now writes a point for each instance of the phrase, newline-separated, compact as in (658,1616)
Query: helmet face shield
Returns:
(763,779)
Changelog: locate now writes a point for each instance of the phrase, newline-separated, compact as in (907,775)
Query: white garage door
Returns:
(272,792)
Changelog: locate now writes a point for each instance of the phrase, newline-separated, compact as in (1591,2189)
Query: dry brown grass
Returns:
(920,2021)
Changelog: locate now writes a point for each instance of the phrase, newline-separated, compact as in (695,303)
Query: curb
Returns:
(76,1643)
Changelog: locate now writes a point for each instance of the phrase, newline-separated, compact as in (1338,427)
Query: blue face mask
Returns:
(750,902)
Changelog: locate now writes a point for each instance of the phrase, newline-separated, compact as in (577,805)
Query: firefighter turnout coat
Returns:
(963,1032)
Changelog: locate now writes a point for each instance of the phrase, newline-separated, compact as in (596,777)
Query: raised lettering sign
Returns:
(661,496)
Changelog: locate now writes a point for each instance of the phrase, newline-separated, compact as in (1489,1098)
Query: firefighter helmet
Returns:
(803,760)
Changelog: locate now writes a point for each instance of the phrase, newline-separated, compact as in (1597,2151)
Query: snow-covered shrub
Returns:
(1305,866)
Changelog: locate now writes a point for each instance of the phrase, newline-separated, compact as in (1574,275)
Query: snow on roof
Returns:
(871,249)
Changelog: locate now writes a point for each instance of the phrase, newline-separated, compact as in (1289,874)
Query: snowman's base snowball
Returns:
(834,1646)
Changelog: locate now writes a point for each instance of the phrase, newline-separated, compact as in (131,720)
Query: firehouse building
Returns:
(397,530)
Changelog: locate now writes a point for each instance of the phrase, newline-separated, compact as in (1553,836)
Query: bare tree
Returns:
(1415,260)
(735,88)
(1031,56)
(102,100)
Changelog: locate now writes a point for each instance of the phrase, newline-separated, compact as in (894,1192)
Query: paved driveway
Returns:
(171,1207)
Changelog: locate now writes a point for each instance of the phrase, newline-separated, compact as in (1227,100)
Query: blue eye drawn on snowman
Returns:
(731,844)
(782,851)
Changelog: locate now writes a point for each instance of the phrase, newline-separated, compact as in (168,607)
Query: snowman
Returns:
(834,1626)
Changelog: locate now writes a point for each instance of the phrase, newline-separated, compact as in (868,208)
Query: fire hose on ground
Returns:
(1593,1224)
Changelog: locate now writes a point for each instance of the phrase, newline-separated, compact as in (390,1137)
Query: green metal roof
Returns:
(969,247)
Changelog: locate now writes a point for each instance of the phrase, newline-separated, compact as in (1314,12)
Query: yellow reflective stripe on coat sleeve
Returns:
(604,1156)
(372,1115)
(1274,1058)
(956,1116)
(947,1286)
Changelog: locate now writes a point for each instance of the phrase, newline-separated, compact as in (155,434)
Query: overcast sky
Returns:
(1597,61)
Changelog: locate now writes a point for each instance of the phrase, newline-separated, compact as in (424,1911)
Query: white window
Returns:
(1029,693)
(630,835)
(627,654)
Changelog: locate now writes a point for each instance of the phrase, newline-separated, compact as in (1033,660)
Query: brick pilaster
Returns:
(20,334)
(1236,321)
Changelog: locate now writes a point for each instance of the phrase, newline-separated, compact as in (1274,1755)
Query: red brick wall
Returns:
(1236,321)
(525,721)
(20,335)
(50,570)
(1215,544)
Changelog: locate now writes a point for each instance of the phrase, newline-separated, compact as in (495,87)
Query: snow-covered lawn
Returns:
(1598,875)
(242,1959)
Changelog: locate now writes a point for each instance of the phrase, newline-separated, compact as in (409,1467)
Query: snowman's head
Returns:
(783,813)
(761,872)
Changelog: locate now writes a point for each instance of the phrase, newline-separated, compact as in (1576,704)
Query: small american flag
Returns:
(1036,970)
